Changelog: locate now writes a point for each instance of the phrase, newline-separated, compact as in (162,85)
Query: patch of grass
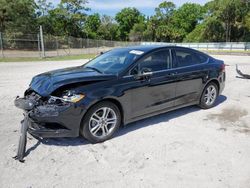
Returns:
(59,58)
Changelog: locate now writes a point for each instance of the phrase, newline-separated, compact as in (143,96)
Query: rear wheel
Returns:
(209,96)
(101,122)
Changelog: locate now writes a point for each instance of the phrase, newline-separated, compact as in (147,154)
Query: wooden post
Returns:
(57,53)
(38,44)
(1,44)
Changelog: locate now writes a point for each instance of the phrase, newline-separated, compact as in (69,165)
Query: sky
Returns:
(111,7)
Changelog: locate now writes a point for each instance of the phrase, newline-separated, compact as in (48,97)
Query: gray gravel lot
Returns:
(184,148)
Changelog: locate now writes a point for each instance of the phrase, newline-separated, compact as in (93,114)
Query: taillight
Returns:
(222,68)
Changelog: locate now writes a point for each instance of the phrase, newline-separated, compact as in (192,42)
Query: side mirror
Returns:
(144,74)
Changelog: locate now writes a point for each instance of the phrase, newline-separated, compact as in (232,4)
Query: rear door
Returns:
(191,70)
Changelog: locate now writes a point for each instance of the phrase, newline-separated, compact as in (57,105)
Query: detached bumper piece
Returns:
(22,140)
(45,121)
(247,76)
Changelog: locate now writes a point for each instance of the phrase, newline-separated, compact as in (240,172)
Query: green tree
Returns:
(68,18)
(163,21)
(108,28)
(186,18)
(225,20)
(231,14)
(17,16)
(165,10)
(43,7)
(43,16)
(136,34)
(217,20)
(211,30)
(126,19)
(92,25)
(150,32)
(247,21)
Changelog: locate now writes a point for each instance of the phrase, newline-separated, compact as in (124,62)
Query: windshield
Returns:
(114,61)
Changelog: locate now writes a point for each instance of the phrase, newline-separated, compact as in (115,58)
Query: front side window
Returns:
(156,61)
(187,57)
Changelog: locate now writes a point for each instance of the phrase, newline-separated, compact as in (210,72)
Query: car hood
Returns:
(44,84)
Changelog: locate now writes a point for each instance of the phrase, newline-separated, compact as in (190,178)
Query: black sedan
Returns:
(118,87)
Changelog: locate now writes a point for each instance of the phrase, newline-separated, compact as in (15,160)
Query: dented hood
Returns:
(44,84)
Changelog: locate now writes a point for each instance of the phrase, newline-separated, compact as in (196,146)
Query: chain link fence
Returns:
(30,45)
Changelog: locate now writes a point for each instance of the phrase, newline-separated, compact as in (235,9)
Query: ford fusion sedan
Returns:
(118,87)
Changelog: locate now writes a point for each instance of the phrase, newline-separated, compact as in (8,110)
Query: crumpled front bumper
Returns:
(51,120)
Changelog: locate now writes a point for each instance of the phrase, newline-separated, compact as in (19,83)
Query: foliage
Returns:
(17,15)
(186,18)
(92,24)
(231,15)
(136,34)
(126,19)
(66,19)
(108,29)
(216,21)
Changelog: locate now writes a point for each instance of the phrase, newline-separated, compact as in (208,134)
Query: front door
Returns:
(156,92)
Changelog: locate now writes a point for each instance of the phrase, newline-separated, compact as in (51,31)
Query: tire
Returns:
(206,101)
(101,122)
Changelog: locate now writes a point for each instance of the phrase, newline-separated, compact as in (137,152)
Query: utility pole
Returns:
(42,43)
(1,44)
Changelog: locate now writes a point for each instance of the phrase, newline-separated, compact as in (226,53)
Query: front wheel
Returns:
(209,96)
(101,122)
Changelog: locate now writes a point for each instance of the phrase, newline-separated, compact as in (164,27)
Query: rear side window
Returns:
(187,57)
(156,61)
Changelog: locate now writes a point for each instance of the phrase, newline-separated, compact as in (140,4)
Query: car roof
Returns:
(146,48)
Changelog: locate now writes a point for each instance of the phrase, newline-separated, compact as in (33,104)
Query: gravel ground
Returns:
(184,148)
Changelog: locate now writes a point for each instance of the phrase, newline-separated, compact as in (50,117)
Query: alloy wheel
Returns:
(102,122)
(210,95)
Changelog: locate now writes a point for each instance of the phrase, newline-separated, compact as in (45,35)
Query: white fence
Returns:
(220,46)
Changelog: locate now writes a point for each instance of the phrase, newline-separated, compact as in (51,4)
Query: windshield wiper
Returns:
(95,69)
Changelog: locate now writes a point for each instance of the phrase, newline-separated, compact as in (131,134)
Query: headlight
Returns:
(73,98)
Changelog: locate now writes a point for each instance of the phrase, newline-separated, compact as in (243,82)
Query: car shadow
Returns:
(220,100)
(165,117)
(57,142)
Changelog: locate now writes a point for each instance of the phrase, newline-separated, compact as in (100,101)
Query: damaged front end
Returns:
(46,117)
